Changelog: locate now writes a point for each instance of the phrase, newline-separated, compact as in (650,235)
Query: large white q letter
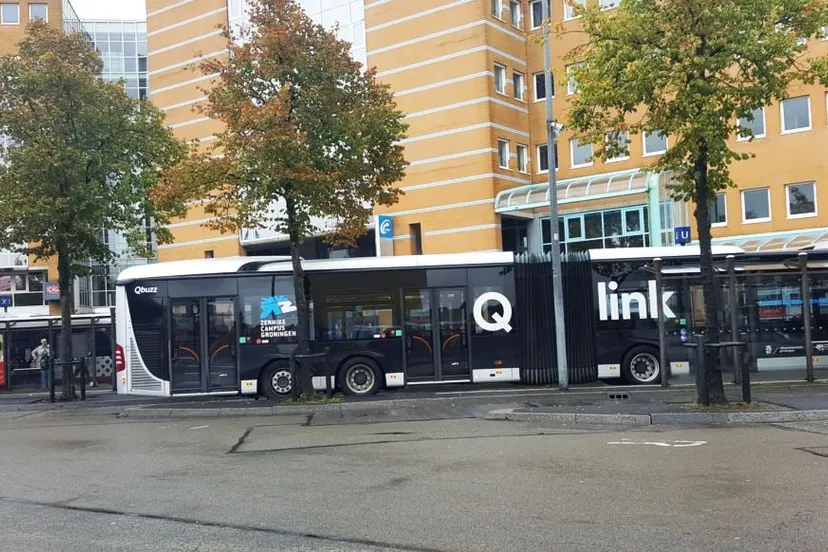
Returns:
(501,321)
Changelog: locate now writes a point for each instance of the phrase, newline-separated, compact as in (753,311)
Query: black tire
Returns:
(641,366)
(360,376)
(276,382)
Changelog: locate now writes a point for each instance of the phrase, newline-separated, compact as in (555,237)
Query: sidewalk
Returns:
(777,402)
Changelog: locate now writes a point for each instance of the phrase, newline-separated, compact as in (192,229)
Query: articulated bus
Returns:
(227,326)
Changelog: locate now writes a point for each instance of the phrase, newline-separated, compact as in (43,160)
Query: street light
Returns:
(557,283)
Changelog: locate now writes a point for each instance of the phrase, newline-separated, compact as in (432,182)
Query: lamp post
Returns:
(557,283)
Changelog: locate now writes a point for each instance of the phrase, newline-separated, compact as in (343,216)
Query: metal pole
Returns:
(806,315)
(662,330)
(704,392)
(557,280)
(113,340)
(734,315)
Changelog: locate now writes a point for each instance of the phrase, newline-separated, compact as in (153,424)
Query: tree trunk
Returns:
(66,300)
(305,380)
(712,296)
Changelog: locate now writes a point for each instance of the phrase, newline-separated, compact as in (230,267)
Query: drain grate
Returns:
(618,396)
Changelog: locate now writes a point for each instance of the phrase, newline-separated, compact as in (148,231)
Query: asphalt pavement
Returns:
(76,480)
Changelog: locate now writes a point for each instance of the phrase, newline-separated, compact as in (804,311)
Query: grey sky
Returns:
(110,9)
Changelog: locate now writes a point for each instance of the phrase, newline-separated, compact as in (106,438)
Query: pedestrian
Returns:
(40,359)
(90,369)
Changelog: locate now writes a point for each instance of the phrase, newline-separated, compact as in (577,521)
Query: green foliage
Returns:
(690,68)
(84,156)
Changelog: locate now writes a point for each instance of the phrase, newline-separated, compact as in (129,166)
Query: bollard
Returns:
(704,392)
(51,378)
(745,379)
(82,368)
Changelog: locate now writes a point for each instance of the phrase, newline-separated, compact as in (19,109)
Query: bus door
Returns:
(203,346)
(436,336)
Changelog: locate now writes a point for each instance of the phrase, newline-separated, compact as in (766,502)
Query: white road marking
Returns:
(674,444)
(200,427)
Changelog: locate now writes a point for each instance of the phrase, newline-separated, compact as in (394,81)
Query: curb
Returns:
(690,418)
(283,410)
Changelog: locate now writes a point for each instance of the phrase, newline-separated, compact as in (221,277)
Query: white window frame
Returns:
(782,116)
(519,86)
(622,158)
(572,164)
(512,5)
(16,5)
(532,11)
(569,11)
(523,160)
(502,142)
(758,220)
(499,5)
(535,87)
(502,68)
(646,153)
(788,200)
(46,19)
(720,224)
(755,136)
(538,150)
(571,83)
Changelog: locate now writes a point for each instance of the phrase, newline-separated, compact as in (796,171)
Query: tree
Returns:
(690,69)
(308,134)
(83,158)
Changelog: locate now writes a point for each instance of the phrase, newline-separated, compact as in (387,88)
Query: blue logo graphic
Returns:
(682,235)
(276,306)
(386,227)
(5,301)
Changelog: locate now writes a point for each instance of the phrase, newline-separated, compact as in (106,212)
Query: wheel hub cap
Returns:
(360,379)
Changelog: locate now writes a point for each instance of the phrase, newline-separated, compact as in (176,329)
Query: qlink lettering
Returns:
(642,301)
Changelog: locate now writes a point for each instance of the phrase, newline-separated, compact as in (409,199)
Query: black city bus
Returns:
(227,326)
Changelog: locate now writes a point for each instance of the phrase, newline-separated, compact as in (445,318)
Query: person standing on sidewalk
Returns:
(40,359)
(90,369)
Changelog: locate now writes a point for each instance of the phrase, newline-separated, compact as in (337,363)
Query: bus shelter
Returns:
(92,335)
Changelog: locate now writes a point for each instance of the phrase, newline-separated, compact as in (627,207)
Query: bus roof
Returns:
(232,265)
(195,267)
(630,253)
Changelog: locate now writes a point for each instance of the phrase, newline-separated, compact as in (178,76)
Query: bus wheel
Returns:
(641,366)
(360,376)
(277,381)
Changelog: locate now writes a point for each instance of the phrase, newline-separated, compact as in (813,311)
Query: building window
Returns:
(569,9)
(571,83)
(543,158)
(801,200)
(416,232)
(500,78)
(536,10)
(209,254)
(519,85)
(514,13)
(10,14)
(497,8)
(796,114)
(503,154)
(655,143)
(609,4)
(581,153)
(628,227)
(540,86)
(718,210)
(756,205)
(618,146)
(752,126)
(523,158)
(38,11)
